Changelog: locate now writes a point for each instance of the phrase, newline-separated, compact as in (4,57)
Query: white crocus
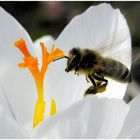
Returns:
(100,28)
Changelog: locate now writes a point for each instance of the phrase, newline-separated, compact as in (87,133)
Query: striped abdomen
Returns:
(116,70)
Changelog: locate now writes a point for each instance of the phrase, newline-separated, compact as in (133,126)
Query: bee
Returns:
(95,68)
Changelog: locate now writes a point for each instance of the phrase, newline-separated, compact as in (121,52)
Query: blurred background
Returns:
(50,17)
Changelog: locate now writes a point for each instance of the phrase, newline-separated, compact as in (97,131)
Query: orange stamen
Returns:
(31,63)
(55,53)
(45,56)
(20,44)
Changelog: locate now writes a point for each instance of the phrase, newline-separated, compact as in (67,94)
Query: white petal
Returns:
(132,123)
(104,29)
(89,118)
(17,83)
(136,134)
(4,103)
(9,129)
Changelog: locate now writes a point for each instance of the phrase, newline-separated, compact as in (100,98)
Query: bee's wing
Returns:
(114,44)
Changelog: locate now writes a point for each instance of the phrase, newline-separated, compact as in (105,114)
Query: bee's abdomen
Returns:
(117,71)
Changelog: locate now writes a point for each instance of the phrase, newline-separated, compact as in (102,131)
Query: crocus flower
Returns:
(100,28)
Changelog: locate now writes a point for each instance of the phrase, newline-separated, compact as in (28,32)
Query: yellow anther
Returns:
(53,108)
(39,112)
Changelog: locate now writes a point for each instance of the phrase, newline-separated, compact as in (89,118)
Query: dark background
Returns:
(50,17)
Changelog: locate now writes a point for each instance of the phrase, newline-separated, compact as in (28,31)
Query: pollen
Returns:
(31,63)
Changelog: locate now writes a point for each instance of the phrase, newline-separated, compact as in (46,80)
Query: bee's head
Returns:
(74,59)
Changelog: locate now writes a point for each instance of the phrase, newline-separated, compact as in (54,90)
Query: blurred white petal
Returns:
(9,128)
(89,118)
(132,123)
(17,83)
(132,90)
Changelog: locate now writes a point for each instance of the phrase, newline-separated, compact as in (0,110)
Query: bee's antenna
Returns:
(66,57)
(61,58)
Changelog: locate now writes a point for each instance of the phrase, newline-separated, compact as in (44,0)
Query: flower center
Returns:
(31,63)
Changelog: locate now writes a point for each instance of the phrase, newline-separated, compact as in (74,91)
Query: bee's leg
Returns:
(87,79)
(92,80)
(102,87)
(96,84)
(100,78)
(99,83)
(90,90)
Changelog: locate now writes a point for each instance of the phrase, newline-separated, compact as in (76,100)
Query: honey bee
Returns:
(95,68)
